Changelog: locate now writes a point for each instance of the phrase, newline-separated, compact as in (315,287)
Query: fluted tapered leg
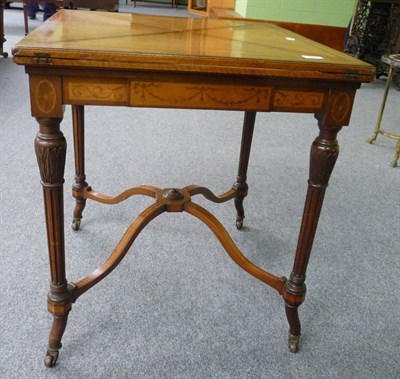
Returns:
(50,147)
(324,152)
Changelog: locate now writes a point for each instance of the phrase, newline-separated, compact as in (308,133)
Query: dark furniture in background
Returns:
(375,32)
(174,3)
(105,5)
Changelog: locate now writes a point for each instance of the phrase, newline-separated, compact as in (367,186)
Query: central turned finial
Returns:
(173,194)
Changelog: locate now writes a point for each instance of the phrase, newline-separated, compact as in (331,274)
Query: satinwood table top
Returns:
(132,41)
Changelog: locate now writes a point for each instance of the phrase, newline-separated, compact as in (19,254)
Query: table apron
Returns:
(49,92)
(224,96)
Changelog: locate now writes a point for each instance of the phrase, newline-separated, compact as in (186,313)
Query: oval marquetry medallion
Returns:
(341,107)
(45,96)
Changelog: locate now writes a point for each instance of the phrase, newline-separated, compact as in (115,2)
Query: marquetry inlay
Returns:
(296,99)
(183,95)
(96,92)
(46,96)
(341,107)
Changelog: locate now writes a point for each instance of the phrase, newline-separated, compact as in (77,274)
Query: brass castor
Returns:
(51,358)
(293,343)
(239,223)
(76,223)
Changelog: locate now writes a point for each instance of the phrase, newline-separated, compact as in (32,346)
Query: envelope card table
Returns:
(120,59)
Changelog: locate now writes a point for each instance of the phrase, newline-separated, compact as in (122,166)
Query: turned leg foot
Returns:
(240,213)
(51,358)
(239,223)
(293,343)
(76,223)
(79,207)
(294,327)
(56,333)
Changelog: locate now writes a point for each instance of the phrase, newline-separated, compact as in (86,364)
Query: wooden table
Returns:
(83,58)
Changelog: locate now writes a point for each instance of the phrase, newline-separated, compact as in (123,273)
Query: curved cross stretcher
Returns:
(170,200)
